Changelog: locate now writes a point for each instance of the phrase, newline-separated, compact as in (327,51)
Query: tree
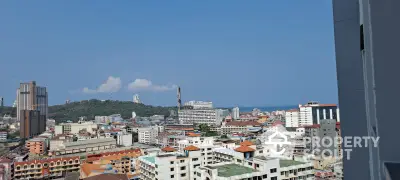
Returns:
(204,128)
(224,136)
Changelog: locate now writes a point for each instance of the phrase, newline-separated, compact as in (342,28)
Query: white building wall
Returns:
(124,140)
(199,116)
(235,113)
(292,118)
(305,116)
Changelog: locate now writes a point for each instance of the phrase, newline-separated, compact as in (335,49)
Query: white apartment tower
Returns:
(235,113)
(292,118)
(312,112)
(136,99)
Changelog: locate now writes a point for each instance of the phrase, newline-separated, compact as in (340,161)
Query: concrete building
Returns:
(71,147)
(74,128)
(366,46)
(31,123)
(1,101)
(178,166)
(198,116)
(6,168)
(240,127)
(3,135)
(46,168)
(205,144)
(327,129)
(136,99)
(37,146)
(312,112)
(118,162)
(199,104)
(124,139)
(148,135)
(32,102)
(235,113)
(292,118)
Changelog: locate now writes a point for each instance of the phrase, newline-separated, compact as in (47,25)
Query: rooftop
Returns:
(229,170)
(150,159)
(287,163)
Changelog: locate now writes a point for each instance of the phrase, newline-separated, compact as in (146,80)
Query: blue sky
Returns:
(247,53)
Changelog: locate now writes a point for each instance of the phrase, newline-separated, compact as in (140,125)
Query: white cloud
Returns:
(113,84)
(147,85)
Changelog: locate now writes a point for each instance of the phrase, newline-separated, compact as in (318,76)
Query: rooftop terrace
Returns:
(287,163)
(150,159)
(232,170)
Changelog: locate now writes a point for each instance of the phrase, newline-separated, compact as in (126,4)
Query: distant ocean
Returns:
(267,108)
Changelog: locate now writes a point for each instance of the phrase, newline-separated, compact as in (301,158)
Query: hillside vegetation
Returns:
(91,108)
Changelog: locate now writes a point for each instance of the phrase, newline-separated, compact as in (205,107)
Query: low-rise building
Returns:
(120,162)
(3,135)
(124,139)
(178,166)
(292,118)
(36,146)
(84,146)
(148,135)
(240,127)
(74,128)
(6,168)
(46,168)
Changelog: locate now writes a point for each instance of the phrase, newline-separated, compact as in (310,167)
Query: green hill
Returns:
(91,108)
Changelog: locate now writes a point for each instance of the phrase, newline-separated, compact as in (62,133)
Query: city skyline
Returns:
(252,54)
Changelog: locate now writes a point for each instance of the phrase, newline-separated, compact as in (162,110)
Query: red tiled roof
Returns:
(313,126)
(46,160)
(277,123)
(244,149)
(246,143)
(243,123)
(191,148)
(293,110)
(168,149)
(193,135)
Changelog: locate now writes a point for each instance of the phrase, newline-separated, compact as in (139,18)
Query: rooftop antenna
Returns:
(179,98)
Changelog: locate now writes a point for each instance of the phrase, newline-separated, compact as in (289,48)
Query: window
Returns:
(239,161)
(362,37)
(260,152)
(172,169)
(282,173)
(183,167)
(274,178)
(156,166)
(250,164)
(172,162)
(183,174)
(264,176)
(257,165)
(156,173)
(195,159)
(182,161)
(273,170)
(172,176)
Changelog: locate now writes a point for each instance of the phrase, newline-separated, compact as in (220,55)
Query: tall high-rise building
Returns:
(136,99)
(32,105)
(1,102)
(235,113)
(366,43)
(313,112)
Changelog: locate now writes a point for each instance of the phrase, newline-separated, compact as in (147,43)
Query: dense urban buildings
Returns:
(32,105)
